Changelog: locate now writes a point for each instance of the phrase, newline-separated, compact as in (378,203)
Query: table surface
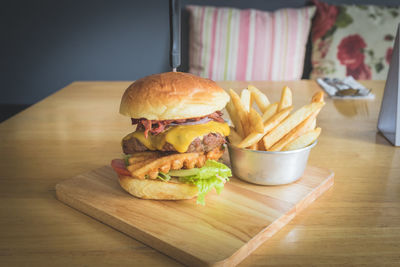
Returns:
(78,129)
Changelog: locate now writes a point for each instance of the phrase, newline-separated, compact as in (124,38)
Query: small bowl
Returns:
(269,167)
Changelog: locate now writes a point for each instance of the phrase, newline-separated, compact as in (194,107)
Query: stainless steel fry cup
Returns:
(267,167)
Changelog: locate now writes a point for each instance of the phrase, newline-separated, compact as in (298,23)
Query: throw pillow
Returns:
(354,40)
(234,44)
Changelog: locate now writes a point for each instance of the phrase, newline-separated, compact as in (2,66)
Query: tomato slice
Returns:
(119,167)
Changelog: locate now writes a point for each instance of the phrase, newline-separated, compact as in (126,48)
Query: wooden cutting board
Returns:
(222,233)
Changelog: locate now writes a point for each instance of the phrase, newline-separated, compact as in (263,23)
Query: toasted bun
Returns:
(172,95)
(156,189)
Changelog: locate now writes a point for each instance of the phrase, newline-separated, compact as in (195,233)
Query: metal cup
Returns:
(268,167)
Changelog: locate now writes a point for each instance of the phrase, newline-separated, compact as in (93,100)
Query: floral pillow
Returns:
(354,40)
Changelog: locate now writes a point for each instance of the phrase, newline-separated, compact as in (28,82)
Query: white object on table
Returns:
(334,85)
(389,115)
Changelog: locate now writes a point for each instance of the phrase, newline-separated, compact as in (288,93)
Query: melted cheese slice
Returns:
(181,136)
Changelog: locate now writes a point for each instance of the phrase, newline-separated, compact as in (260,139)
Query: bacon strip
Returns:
(158,126)
(216,116)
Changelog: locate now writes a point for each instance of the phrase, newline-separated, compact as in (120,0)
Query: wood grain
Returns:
(222,233)
(78,129)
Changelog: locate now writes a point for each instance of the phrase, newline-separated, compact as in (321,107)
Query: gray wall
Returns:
(48,44)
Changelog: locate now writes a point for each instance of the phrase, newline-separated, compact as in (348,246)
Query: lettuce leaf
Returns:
(126,159)
(164,176)
(212,175)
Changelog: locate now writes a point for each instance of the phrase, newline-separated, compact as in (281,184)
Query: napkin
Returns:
(337,88)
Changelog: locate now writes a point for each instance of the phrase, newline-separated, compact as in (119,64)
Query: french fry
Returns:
(260,98)
(286,98)
(260,145)
(269,111)
(253,146)
(251,139)
(242,113)
(234,138)
(245,97)
(297,131)
(318,97)
(289,123)
(313,124)
(165,164)
(256,121)
(235,118)
(254,137)
(142,156)
(303,140)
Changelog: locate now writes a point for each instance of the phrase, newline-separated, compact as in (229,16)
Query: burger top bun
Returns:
(172,95)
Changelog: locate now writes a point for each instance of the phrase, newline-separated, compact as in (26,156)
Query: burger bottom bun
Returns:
(156,189)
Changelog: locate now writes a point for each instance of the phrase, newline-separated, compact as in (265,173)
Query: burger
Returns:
(179,137)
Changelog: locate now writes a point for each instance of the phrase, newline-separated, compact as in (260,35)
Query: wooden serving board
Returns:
(223,232)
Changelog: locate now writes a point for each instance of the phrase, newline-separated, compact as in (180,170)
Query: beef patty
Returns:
(206,144)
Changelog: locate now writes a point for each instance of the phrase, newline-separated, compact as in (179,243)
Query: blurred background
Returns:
(48,44)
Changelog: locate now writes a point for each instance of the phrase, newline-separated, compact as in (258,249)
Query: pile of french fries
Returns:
(277,128)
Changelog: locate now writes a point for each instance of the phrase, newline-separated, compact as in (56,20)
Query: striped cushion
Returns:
(234,44)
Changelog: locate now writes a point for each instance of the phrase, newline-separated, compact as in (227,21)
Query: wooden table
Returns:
(78,129)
